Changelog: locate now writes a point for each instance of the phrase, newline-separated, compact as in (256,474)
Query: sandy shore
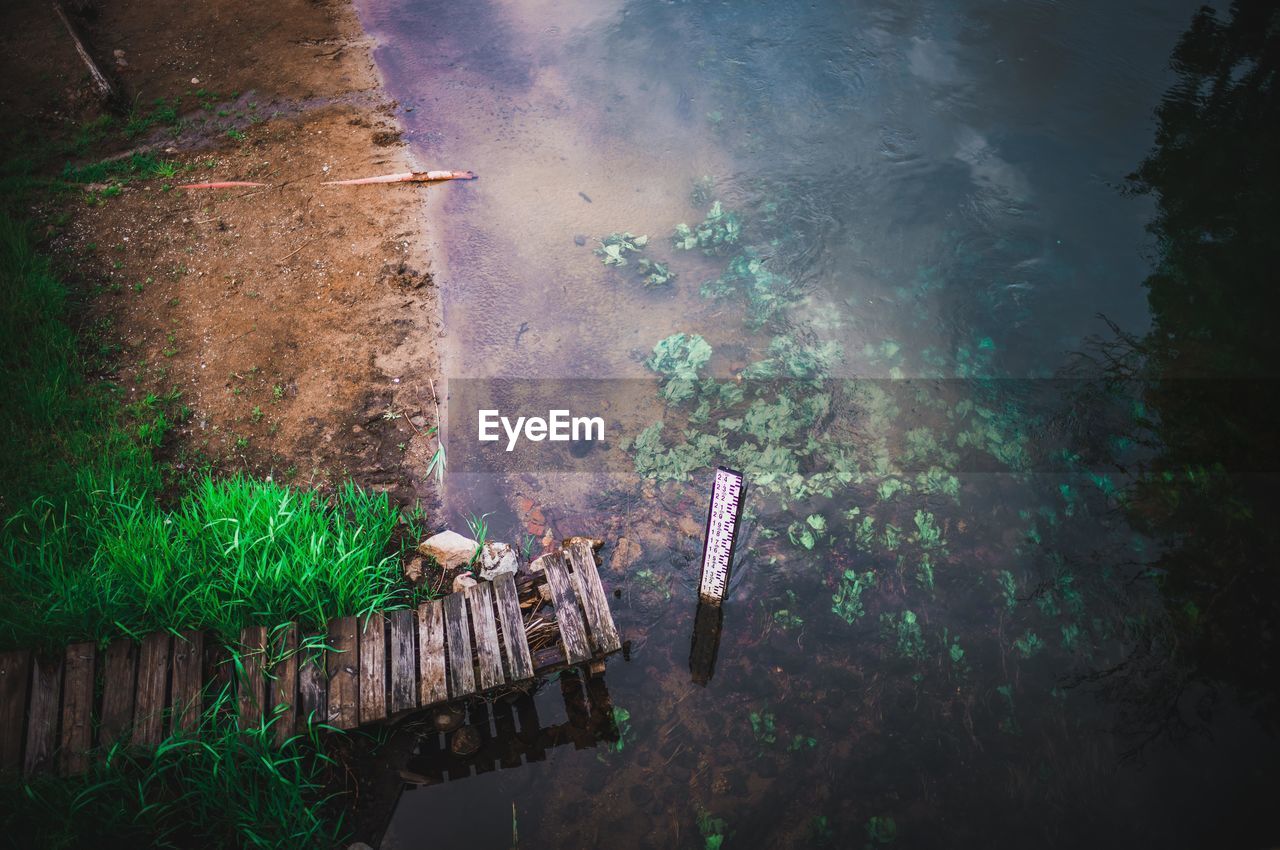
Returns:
(297,320)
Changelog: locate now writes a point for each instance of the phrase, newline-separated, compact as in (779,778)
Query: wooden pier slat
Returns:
(489,656)
(373,669)
(119,666)
(153,681)
(42,715)
(251,689)
(283,685)
(431,667)
(342,662)
(313,690)
(77,708)
(404,666)
(594,601)
(188,681)
(572,632)
(15,674)
(519,662)
(462,680)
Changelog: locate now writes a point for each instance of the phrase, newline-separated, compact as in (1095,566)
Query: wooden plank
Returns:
(431,667)
(404,666)
(251,689)
(342,662)
(119,666)
(572,631)
(284,683)
(77,708)
(519,662)
(462,680)
(313,690)
(373,669)
(594,601)
(153,681)
(15,675)
(489,656)
(188,681)
(42,714)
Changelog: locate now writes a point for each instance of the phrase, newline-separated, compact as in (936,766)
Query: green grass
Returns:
(215,786)
(231,553)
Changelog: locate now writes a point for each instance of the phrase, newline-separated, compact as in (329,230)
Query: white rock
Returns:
(462,581)
(449,548)
(496,559)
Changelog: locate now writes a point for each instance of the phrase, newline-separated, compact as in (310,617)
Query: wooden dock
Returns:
(57,714)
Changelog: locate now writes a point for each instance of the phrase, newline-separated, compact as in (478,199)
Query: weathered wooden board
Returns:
(188,681)
(404,664)
(488,654)
(15,674)
(373,669)
(572,631)
(42,714)
(431,665)
(313,689)
(519,662)
(462,679)
(604,633)
(251,687)
(153,681)
(343,663)
(119,665)
(77,708)
(283,686)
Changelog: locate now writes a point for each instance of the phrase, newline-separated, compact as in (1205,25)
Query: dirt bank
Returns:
(297,320)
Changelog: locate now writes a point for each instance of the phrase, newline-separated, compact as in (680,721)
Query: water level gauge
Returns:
(722,531)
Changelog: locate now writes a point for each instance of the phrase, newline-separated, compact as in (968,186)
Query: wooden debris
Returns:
(222,184)
(100,82)
(406,177)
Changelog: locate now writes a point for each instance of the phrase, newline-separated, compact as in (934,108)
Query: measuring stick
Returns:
(722,532)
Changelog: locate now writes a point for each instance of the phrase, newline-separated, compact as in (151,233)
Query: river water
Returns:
(921,221)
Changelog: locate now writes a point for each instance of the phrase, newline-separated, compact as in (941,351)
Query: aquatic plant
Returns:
(847,601)
(719,230)
(762,726)
(1029,644)
(766,294)
(678,358)
(713,830)
(654,273)
(881,830)
(905,631)
(614,248)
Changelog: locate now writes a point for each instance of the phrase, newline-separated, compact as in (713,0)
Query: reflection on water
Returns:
(915,653)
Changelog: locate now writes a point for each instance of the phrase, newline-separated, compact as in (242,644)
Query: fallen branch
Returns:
(100,81)
(225,184)
(406,177)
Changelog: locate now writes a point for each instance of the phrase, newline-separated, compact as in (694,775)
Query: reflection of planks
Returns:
(511,733)
(135,693)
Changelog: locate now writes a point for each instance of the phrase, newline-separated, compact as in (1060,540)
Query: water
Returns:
(934,193)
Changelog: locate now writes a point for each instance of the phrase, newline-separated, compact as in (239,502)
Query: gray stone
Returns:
(449,548)
(496,559)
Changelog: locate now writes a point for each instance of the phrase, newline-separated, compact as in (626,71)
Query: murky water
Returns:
(931,192)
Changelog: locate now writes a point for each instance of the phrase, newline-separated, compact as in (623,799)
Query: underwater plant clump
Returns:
(614,248)
(654,273)
(718,231)
(767,294)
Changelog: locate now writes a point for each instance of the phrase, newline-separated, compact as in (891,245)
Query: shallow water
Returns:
(939,187)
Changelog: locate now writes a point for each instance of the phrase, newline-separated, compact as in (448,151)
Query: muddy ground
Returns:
(297,320)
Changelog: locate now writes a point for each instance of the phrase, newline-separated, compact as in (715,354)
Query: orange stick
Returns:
(406,177)
(226,184)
